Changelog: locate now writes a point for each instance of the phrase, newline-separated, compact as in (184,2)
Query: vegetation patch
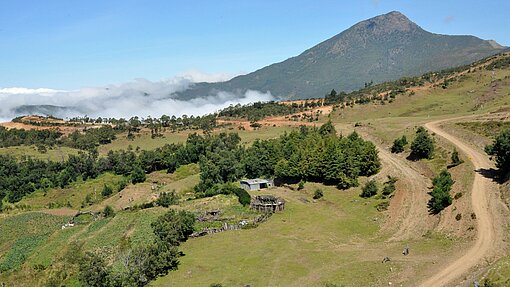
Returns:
(22,234)
(440,193)
(486,128)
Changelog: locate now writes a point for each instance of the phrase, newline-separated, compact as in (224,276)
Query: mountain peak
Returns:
(382,48)
(387,23)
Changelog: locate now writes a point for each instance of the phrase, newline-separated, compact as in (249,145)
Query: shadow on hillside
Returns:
(413,157)
(491,173)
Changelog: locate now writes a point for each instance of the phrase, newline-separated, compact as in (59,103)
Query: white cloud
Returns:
(198,76)
(139,97)
(25,91)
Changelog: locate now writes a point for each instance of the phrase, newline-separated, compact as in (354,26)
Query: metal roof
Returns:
(255,181)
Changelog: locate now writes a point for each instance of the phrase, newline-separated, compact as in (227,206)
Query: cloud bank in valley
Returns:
(139,97)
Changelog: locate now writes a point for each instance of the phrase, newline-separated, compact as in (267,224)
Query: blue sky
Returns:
(68,44)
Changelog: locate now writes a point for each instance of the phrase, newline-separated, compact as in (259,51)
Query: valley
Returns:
(402,182)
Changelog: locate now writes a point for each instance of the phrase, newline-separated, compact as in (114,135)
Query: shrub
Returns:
(94,270)
(227,188)
(423,145)
(166,199)
(121,184)
(382,206)
(457,195)
(441,198)
(370,189)
(108,211)
(399,145)
(455,158)
(137,175)
(107,191)
(389,186)
(174,227)
(500,149)
(242,195)
(318,194)
(301,185)
(458,216)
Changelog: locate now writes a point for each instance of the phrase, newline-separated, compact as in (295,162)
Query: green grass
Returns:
(22,234)
(53,154)
(132,226)
(499,272)
(305,245)
(144,140)
(265,132)
(49,252)
(461,97)
(74,194)
(489,129)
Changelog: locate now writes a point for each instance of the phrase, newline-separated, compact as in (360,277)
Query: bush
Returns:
(121,184)
(370,189)
(174,227)
(389,186)
(441,198)
(227,188)
(382,206)
(318,194)
(166,199)
(423,145)
(108,211)
(242,195)
(399,145)
(458,216)
(455,158)
(301,185)
(137,175)
(94,271)
(107,191)
(501,150)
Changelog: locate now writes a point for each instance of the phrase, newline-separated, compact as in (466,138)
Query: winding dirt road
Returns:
(487,237)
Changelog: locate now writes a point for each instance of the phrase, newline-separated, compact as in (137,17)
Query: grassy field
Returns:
(144,141)
(474,93)
(73,196)
(488,129)
(499,273)
(22,234)
(333,240)
(53,154)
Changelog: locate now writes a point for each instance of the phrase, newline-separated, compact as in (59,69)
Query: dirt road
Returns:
(410,210)
(487,237)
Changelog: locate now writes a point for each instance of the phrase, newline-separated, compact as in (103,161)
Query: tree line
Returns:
(313,154)
(260,110)
(310,154)
(87,139)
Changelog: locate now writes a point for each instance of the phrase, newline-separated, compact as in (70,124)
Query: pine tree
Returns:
(455,158)
(423,145)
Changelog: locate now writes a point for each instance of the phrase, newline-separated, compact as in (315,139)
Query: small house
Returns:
(256,184)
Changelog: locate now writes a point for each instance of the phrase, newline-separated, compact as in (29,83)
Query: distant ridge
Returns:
(383,48)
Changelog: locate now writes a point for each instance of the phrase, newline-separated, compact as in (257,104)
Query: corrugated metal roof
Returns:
(255,181)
